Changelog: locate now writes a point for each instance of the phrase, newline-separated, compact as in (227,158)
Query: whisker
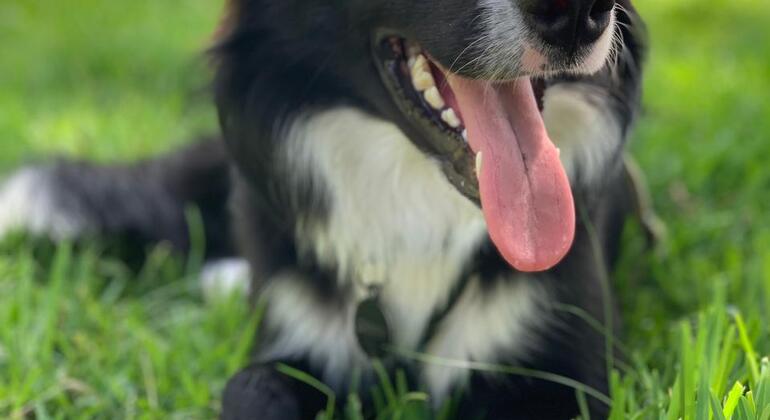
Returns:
(470,45)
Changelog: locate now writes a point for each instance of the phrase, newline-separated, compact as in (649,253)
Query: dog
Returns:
(438,177)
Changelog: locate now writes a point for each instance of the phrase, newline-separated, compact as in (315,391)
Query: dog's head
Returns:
(464,74)
(462,78)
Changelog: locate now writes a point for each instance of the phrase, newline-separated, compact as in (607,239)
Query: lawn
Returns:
(83,336)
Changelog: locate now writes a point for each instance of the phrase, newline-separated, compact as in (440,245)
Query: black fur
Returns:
(145,203)
(277,60)
(280,59)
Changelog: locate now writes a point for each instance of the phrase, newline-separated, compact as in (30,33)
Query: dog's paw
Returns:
(31,203)
(222,278)
(259,392)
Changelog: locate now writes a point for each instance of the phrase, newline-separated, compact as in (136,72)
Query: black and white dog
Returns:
(452,166)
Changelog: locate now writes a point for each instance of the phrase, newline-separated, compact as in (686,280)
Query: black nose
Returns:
(568,24)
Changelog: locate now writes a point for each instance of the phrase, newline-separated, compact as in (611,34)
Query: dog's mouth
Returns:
(492,142)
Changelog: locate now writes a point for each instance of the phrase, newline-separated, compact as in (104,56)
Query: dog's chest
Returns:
(396,225)
(394,222)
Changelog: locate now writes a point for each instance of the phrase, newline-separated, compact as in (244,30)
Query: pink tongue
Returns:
(525,194)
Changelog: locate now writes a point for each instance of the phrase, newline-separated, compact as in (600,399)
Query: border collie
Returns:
(433,177)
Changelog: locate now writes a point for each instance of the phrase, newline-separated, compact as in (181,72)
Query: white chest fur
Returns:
(395,222)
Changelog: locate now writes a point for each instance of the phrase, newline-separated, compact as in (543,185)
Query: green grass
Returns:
(82,336)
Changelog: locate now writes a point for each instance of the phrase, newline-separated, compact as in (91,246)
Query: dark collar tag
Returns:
(372,329)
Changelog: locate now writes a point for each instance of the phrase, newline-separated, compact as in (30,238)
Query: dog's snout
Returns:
(568,23)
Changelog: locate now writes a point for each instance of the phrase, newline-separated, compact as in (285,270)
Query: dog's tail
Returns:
(146,202)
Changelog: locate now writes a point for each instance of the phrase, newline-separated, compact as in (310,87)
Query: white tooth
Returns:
(478,164)
(449,117)
(558,152)
(465,135)
(420,62)
(433,97)
(422,79)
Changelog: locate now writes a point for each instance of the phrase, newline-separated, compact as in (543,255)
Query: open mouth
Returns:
(491,139)
(425,84)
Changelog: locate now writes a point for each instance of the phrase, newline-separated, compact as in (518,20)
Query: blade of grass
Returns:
(688,370)
(733,399)
(716,408)
(385,383)
(510,370)
(762,396)
(703,398)
(585,414)
(726,359)
(675,402)
(748,348)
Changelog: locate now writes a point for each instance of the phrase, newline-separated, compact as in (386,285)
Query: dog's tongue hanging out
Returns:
(525,194)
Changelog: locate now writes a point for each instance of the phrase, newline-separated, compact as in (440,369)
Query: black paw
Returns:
(259,392)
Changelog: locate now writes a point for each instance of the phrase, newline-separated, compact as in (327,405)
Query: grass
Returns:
(82,335)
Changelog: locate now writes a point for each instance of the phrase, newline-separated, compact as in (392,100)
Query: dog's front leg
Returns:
(260,391)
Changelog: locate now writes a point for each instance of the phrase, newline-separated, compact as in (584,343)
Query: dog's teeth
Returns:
(478,164)
(465,135)
(449,117)
(558,152)
(433,97)
(419,62)
(422,79)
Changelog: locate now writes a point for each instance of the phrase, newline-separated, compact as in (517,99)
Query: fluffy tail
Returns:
(144,202)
